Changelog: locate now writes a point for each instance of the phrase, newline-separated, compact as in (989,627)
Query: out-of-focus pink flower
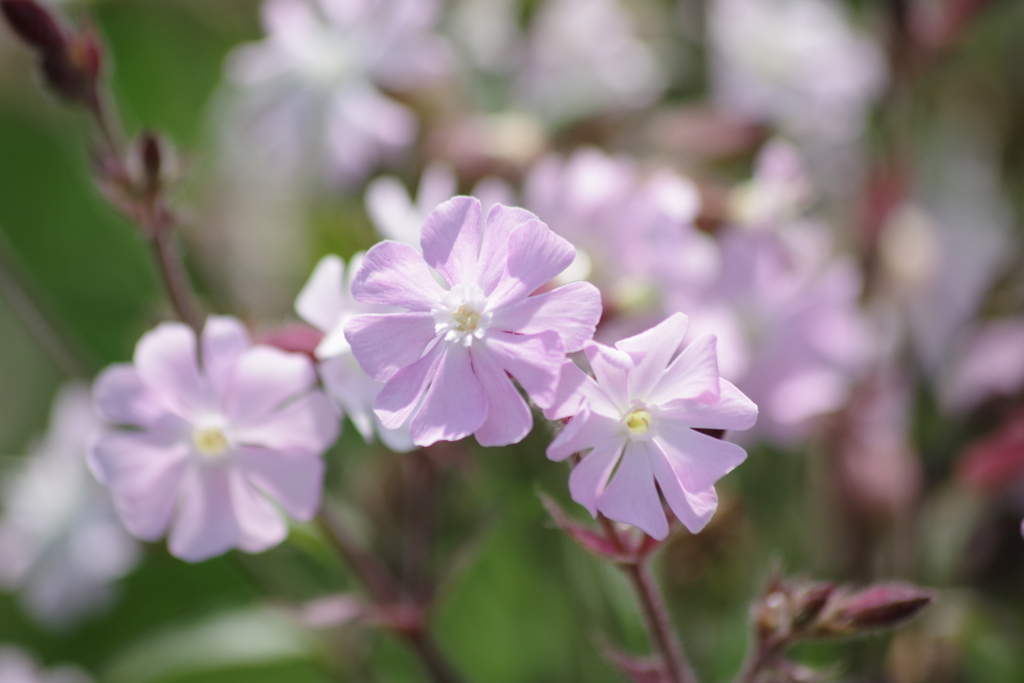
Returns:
(583,57)
(639,417)
(61,544)
(326,302)
(397,217)
(446,362)
(209,444)
(632,229)
(784,306)
(778,192)
(314,85)
(18,667)
(798,64)
(989,363)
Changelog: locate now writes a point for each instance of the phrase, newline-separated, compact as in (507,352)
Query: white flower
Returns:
(61,544)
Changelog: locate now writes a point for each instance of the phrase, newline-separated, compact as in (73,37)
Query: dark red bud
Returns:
(86,53)
(886,605)
(810,601)
(35,25)
(152,156)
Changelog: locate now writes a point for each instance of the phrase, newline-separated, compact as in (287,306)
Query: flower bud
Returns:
(70,64)
(35,25)
(882,606)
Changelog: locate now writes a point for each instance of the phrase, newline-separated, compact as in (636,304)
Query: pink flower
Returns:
(446,362)
(209,445)
(638,420)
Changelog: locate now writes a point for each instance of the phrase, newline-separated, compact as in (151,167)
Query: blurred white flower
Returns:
(798,64)
(61,544)
(16,666)
(315,85)
(398,217)
(583,57)
(326,303)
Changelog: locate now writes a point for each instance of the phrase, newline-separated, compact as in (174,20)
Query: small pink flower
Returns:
(446,362)
(210,444)
(638,420)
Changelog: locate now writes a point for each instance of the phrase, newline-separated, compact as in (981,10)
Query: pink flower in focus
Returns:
(638,418)
(209,445)
(446,362)
(326,302)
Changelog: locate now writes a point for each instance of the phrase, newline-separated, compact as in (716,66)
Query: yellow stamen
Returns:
(639,421)
(467,318)
(210,441)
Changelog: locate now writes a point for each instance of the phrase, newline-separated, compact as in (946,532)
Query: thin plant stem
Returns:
(175,279)
(384,590)
(659,625)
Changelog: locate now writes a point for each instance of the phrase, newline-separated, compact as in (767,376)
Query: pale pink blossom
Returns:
(799,64)
(210,446)
(989,362)
(61,544)
(632,228)
(637,418)
(584,57)
(326,303)
(446,362)
(315,85)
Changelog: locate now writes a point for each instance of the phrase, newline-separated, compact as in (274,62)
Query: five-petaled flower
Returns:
(638,420)
(446,361)
(209,444)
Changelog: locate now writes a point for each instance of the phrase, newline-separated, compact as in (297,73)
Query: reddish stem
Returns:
(659,625)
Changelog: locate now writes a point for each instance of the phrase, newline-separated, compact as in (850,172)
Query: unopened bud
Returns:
(882,606)
(149,146)
(34,24)
(70,64)
(810,600)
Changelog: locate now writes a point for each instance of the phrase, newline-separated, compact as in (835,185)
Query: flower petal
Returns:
(385,343)
(535,256)
(166,360)
(631,497)
(583,431)
(611,368)
(534,360)
(321,301)
(306,426)
(697,460)
(121,397)
(588,479)
(494,247)
(403,391)
(454,406)
(508,417)
(692,375)
(260,526)
(572,311)
(224,341)
(694,508)
(144,475)
(396,275)
(265,378)
(205,525)
(451,240)
(659,344)
(295,483)
(733,410)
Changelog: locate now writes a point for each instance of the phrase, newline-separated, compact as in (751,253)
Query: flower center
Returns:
(461,315)
(639,421)
(466,319)
(210,441)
